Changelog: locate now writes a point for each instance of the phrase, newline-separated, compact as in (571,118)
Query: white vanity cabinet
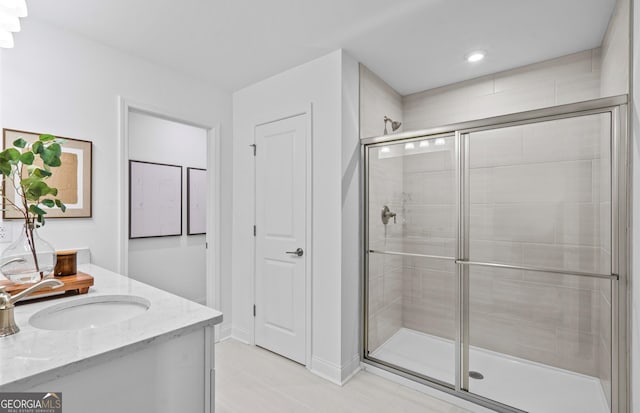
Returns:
(167,377)
(160,361)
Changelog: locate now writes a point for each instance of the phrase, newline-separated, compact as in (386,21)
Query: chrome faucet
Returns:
(7,322)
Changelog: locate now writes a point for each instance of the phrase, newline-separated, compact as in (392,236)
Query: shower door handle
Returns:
(299,252)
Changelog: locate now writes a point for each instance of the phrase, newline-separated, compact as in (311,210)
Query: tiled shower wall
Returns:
(429,224)
(567,79)
(535,201)
(566,330)
(539,197)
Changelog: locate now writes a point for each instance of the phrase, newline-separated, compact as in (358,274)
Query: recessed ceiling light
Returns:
(385,149)
(424,144)
(409,145)
(476,56)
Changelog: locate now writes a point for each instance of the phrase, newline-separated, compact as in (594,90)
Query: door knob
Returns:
(297,252)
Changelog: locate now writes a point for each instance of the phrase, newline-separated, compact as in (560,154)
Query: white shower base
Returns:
(527,385)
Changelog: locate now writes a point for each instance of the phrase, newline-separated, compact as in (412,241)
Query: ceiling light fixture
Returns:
(476,56)
(10,13)
(8,22)
(6,39)
(409,145)
(16,8)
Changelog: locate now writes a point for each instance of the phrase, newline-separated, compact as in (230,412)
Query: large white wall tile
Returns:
(578,224)
(430,221)
(438,158)
(516,223)
(495,251)
(562,67)
(431,187)
(562,140)
(543,182)
(498,147)
(615,52)
(441,247)
(536,96)
(566,79)
(578,88)
(565,257)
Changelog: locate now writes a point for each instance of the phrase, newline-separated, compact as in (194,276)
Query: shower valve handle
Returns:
(386,214)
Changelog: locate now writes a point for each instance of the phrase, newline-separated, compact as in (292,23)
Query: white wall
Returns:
(635,259)
(317,83)
(174,264)
(57,82)
(351,213)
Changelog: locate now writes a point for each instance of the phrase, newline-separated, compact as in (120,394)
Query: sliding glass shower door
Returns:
(411,292)
(492,258)
(538,267)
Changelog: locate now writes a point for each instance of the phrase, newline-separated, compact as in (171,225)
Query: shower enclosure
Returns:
(495,258)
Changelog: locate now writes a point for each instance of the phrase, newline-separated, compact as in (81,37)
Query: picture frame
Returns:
(73,178)
(196,201)
(155,200)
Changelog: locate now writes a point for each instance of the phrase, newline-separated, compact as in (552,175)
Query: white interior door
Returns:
(280,312)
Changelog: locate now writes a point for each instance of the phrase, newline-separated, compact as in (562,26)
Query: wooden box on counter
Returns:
(78,283)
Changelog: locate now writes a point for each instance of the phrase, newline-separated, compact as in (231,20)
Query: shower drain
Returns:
(476,375)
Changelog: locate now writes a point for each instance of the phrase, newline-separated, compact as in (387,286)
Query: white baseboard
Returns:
(326,370)
(240,334)
(334,373)
(350,369)
(225,331)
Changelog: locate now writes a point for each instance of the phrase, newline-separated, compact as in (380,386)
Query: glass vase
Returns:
(29,258)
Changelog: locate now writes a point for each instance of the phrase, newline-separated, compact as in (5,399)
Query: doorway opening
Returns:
(185,264)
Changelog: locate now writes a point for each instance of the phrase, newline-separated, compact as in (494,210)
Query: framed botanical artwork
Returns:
(72,178)
(196,201)
(155,200)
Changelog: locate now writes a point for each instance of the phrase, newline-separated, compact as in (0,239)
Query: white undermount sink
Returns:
(89,312)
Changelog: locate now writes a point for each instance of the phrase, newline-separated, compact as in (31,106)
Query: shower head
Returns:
(394,124)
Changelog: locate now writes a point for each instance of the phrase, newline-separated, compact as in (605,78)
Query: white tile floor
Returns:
(250,379)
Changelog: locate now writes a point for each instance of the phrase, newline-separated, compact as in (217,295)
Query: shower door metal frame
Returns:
(620,241)
(439,384)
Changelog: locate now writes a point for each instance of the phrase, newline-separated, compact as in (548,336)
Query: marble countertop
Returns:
(34,356)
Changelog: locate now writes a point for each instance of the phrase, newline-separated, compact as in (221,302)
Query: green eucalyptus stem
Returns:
(32,246)
(28,228)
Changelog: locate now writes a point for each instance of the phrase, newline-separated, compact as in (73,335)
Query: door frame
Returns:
(213,281)
(308,113)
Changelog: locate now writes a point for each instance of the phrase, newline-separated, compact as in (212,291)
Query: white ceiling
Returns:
(413,44)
